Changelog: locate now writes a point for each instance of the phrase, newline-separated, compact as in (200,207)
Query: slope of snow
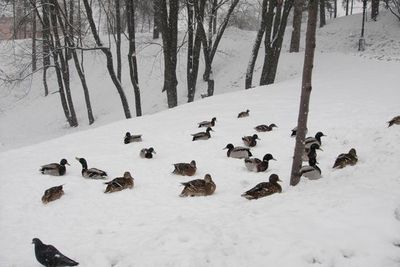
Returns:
(348,218)
(27,117)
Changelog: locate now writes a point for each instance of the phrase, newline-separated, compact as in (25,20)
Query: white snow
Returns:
(350,217)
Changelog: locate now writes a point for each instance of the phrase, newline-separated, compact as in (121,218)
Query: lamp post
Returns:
(361,42)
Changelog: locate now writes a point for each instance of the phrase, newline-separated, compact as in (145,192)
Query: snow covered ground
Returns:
(351,217)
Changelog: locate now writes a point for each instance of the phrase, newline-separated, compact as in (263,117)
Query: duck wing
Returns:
(51,166)
(94,172)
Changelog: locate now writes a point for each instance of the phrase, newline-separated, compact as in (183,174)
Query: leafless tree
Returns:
(305,91)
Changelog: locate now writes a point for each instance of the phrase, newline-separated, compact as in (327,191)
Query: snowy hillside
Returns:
(27,117)
(348,218)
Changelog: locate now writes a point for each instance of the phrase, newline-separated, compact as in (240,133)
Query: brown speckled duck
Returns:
(91,173)
(257,165)
(244,114)
(199,187)
(265,128)
(238,152)
(55,169)
(250,141)
(208,123)
(52,194)
(202,135)
(147,153)
(188,169)
(264,189)
(129,138)
(120,183)
(346,159)
(395,120)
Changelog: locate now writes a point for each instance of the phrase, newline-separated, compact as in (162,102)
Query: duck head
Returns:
(64,162)
(268,157)
(82,161)
(193,163)
(127,135)
(151,150)
(353,152)
(209,129)
(229,146)
(214,119)
(127,175)
(255,136)
(36,241)
(315,147)
(319,135)
(272,125)
(274,178)
(207,178)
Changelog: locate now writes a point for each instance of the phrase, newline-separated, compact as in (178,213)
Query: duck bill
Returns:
(279,180)
(77,158)
(68,164)
(273,159)
(320,149)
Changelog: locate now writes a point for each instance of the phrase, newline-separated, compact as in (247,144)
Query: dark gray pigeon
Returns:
(49,256)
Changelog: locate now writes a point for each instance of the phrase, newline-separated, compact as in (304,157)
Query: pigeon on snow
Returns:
(49,256)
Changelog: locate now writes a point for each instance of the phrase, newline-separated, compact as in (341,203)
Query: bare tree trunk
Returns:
(81,74)
(374,9)
(108,55)
(351,7)
(118,33)
(63,61)
(335,9)
(34,38)
(256,46)
(297,15)
(347,7)
(209,56)
(156,19)
(190,44)
(305,91)
(215,13)
(45,46)
(169,29)
(274,44)
(133,72)
(322,20)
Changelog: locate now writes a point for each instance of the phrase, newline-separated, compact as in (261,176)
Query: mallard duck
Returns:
(91,173)
(120,183)
(55,169)
(257,165)
(202,135)
(238,152)
(188,169)
(346,159)
(312,171)
(208,123)
(265,128)
(49,256)
(244,114)
(311,152)
(395,120)
(132,138)
(294,132)
(313,140)
(250,141)
(52,194)
(198,187)
(147,153)
(264,189)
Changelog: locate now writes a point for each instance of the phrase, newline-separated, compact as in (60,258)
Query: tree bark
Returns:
(190,44)
(256,46)
(133,72)
(305,91)
(374,9)
(156,19)
(109,58)
(63,62)
(45,45)
(118,34)
(34,38)
(347,7)
(169,29)
(297,15)
(335,9)
(322,20)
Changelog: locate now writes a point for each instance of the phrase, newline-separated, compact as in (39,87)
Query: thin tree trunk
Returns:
(118,42)
(215,13)
(305,91)
(133,72)
(63,62)
(256,46)
(156,19)
(351,7)
(45,45)
(347,7)
(335,9)
(374,9)
(169,29)
(190,44)
(322,20)
(297,15)
(34,38)
(109,58)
